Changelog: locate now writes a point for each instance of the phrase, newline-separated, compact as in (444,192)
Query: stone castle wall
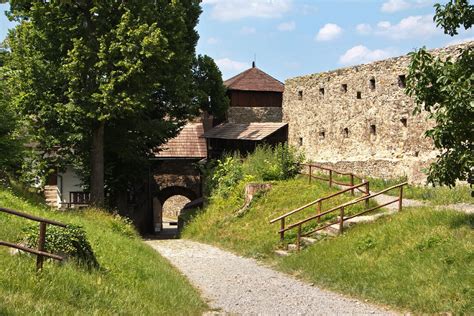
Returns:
(360,119)
(245,115)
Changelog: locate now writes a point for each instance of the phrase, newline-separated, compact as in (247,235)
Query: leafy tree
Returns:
(443,86)
(9,145)
(210,90)
(99,79)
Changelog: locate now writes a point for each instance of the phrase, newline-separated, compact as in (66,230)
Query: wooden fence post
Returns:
(400,199)
(298,240)
(319,210)
(330,178)
(282,226)
(367,192)
(310,174)
(352,184)
(341,222)
(41,244)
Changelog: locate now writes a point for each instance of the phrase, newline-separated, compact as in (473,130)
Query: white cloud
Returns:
(409,27)
(329,32)
(418,26)
(229,65)
(392,6)
(287,26)
(231,10)
(246,30)
(360,55)
(395,5)
(363,28)
(212,40)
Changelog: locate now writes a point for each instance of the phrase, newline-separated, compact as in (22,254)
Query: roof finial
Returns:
(253,64)
(254,60)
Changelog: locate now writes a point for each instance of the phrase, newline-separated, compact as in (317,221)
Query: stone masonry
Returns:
(360,119)
(245,115)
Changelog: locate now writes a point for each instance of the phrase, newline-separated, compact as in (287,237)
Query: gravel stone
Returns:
(237,285)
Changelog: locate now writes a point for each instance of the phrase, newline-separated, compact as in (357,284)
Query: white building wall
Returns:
(68,181)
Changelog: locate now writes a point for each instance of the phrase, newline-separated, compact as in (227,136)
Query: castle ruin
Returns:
(359,119)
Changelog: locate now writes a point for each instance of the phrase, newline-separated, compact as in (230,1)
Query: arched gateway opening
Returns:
(167,204)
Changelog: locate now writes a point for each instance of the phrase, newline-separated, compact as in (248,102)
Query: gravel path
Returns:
(240,285)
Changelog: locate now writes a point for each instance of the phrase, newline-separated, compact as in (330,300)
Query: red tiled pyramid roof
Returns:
(188,144)
(254,79)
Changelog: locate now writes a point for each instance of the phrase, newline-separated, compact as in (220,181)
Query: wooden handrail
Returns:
(316,201)
(32,217)
(344,205)
(40,253)
(30,250)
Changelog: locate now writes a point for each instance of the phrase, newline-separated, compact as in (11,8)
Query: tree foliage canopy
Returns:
(443,86)
(129,66)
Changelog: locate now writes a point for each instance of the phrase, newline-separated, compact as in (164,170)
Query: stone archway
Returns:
(160,198)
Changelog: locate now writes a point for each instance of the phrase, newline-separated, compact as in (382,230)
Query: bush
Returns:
(70,242)
(225,175)
(279,163)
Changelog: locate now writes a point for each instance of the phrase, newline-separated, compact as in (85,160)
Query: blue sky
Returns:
(296,37)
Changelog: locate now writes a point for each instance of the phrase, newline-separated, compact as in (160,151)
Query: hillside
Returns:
(418,260)
(133,278)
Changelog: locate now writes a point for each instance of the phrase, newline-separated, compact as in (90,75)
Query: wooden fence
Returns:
(40,252)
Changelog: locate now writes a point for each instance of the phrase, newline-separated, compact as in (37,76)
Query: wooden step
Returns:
(282,253)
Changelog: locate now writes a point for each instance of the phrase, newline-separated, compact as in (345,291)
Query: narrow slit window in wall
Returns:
(300,141)
(344,87)
(372,83)
(322,134)
(359,95)
(321,91)
(402,81)
(300,95)
(345,132)
(404,121)
(373,129)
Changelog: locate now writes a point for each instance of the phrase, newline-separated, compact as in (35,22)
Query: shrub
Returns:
(123,225)
(281,162)
(70,242)
(226,174)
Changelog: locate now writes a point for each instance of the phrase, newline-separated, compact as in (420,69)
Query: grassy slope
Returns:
(417,260)
(251,234)
(433,195)
(134,278)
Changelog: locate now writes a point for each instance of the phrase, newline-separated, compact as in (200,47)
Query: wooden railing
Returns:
(40,252)
(331,176)
(342,218)
(79,198)
(318,204)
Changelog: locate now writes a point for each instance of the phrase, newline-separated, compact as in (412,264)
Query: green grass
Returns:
(133,278)
(433,195)
(419,260)
(251,234)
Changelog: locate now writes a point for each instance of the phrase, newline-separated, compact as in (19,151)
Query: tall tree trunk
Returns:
(97,166)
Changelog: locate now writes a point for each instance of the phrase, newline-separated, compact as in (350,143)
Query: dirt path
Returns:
(240,285)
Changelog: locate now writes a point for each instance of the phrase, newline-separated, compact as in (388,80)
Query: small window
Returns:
(301,141)
(417,153)
(300,95)
(321,91)
(359,95)
(345,132)
(402,81)
(372,83)
(373,130)
(344,87)
(404,121)
(322,134)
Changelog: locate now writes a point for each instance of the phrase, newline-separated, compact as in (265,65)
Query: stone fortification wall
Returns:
(360,119)
(245,115)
